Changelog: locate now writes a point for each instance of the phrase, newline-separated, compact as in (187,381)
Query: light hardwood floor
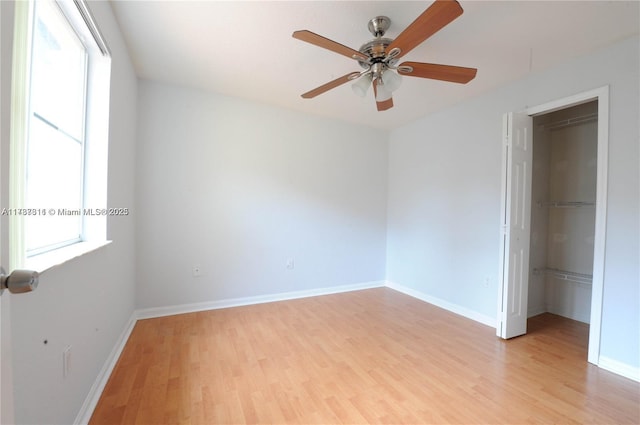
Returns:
(371,356)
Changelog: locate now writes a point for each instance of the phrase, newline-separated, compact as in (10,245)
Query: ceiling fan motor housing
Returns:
(375,49)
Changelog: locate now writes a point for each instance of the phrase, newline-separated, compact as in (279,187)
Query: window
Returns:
(59,192)
(56,136)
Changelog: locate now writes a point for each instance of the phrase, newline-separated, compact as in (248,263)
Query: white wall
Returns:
(537,299)
(236,188)
(444,194)
(86,302)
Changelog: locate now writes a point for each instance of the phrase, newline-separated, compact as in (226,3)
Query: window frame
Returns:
(96,135)
(51,123)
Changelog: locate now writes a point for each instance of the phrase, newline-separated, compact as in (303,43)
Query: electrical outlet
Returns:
(486,281)
(290,264)
(66,362)
(197,271)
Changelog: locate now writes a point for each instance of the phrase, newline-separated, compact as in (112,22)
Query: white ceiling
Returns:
(245,48)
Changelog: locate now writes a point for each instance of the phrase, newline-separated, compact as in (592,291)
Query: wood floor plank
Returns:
(371,356)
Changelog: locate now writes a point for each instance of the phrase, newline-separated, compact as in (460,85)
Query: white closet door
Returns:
(516,224)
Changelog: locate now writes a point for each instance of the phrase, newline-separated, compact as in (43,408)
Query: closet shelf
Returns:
(566,204)
(585,279)
(569,122)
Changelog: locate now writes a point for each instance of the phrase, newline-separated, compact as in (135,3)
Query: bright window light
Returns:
(56,132)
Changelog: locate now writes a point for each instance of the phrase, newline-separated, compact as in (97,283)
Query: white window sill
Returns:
(48,260)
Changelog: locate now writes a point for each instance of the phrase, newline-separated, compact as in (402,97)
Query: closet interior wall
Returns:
(563,212)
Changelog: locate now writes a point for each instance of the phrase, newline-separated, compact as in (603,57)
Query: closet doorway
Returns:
(554,214)
(563,214)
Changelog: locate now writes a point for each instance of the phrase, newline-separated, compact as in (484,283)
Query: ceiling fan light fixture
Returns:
(391,80)
(361,86)
(382,92)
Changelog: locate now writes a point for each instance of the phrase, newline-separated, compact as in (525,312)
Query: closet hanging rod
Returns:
(566,204)
(569,122)
(583,278)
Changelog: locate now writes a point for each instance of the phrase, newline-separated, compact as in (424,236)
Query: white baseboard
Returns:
(619,368)
(149,313)
(90,402)
(454,308)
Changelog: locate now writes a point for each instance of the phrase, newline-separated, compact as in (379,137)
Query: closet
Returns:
(565,145)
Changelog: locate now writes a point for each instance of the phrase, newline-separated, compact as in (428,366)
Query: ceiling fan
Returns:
(379,57)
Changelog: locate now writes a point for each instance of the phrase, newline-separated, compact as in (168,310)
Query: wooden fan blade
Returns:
(454,74)
(330,85)
(325,43)
(432,20)
(385,104)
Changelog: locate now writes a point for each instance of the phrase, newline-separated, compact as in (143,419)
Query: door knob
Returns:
(19,281)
